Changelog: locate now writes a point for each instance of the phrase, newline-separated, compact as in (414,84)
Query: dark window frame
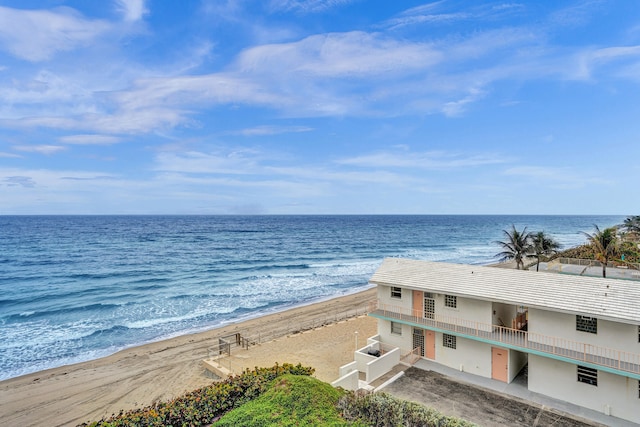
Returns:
(587,324)
(451,301)
(587,375)
(396,328)
(449,341)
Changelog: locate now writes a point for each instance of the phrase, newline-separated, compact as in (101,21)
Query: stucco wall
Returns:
(384,295)
(620,336)
(559,380)
(404,341)
(381,365)
(473,356)
(349,381)
(467,309)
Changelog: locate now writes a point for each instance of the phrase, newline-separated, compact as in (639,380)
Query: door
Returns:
(417,304)
(499,364)
(418,340)
(430,345)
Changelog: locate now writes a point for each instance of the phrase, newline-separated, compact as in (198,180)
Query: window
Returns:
(449,341)
(587,324)
(396,292)
(450,301)
(638,333)
(588,375)
(396,328)
(429,308)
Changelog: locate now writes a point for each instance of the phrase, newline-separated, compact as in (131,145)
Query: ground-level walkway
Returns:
(488,402)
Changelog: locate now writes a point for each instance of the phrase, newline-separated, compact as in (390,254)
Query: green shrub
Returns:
(383,410)
(290,401)
(205,405)
(628,248)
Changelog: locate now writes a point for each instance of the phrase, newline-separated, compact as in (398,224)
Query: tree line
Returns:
(606,244)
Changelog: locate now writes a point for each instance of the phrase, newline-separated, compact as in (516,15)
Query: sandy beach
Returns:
(138,376)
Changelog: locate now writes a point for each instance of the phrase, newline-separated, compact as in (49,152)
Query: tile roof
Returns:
(612,299)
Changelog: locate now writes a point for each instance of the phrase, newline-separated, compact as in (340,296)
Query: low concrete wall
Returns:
(348,381)
(374,339)
(214,367)
(381,365)
(362,358)
(345,369)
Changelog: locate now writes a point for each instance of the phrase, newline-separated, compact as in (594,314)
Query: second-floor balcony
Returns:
(579,353)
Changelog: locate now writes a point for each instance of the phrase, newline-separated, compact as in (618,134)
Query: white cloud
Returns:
(593,60)
(577,14)
(250,169)
(351,74)
(348,55)
(90,139)
(194,90)
(272,130)
(455,108)
(22,181)
(37,35)
(560,178)
(229,162)
(42,149)
(438,13)
(9,155)
(307,6)
(422,160)
(132,10)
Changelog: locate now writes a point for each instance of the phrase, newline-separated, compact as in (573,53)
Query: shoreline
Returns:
(140,375)
(202,329)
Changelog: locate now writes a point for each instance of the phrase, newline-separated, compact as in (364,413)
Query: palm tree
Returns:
(605,245)
(516,246)
(543,245)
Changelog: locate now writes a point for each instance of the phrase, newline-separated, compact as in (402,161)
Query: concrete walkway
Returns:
(489,402)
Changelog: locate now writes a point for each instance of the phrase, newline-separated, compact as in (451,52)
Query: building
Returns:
(579,337)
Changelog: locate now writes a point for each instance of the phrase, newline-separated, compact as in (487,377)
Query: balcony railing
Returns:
(577,351)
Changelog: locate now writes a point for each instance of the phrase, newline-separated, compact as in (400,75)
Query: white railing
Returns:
(578,351)
(411,357)
(595,263)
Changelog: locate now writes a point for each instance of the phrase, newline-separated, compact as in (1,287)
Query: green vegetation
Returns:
(627,248)
(516,246)
(620,245)
(610,245)
(543,246)
(605,245)
(203,406)
(283,395)
(383,410)
(291,401)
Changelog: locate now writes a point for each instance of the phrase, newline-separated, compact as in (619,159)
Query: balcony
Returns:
(603,358)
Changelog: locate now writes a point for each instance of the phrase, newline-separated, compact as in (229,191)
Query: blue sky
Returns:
(319,107)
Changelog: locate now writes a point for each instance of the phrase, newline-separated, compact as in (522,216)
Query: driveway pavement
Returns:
(477,404)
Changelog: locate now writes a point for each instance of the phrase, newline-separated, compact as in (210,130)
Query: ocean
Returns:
(75,288)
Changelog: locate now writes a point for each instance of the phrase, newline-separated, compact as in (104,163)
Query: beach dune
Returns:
(139,376)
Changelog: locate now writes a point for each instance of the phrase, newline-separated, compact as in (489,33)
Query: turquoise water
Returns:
(74,288)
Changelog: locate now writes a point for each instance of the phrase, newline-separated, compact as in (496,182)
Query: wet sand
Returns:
(138,376)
